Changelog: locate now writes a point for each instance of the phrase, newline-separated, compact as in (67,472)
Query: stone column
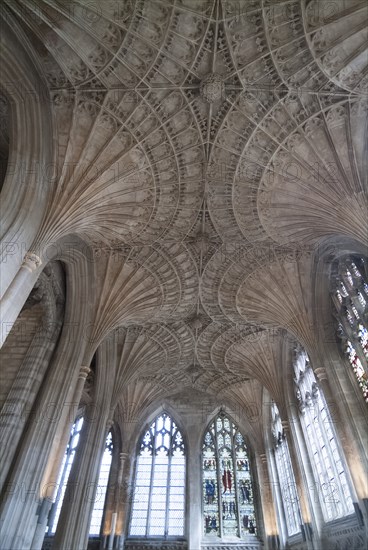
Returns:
(122,502)
(18,292)
(73,526)
(50,479)
(194,524)
(22,494)
(267,505)
(277,496)
(22,394)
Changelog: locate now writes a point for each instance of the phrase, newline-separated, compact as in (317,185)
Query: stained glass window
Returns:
(159,495)
(228,508)
(64,476)
(96,520)
(350,297)
(326,459)
(285,474)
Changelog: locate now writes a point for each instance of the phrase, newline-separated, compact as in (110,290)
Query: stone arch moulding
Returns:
(30,165)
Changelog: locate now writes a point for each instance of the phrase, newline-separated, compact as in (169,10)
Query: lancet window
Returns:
(228,508)
(285,475)
(158,508)
(350,298)
(327,462)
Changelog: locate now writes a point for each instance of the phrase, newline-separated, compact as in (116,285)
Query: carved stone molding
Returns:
(198,147)
(84,372)
(212,88)
(345,538)
(232,546)
(285,426)
(321,374)
(31,262)
(130,545)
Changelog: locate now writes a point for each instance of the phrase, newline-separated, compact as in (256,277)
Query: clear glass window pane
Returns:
(160,473)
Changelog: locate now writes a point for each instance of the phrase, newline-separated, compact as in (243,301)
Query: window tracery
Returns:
(285,474)
(228,507)
(98,508)
(327,462)
(350,296)
(159,494)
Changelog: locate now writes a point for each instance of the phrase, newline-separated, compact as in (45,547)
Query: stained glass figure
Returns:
(159,495)
(227,487)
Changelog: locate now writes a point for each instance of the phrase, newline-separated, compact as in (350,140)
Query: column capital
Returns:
(123,457)
(109,423)
(84,372)
(285,426)
(263,458)
(31,262)
(321,374)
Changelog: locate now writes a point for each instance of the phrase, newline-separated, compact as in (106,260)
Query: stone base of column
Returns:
(273,542)
(359,513)
(307,531)
(41,524)
(365,506)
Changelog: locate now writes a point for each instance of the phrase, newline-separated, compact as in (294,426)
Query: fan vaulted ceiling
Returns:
(203,149)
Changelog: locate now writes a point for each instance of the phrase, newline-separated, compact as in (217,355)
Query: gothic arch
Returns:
(31,154)
(217,509)
(163,526)
(326,324)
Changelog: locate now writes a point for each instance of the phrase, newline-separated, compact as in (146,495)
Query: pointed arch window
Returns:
(350,299)
(158,508)
(64,475)
(327,462)
(228,507)
(98,508)
(285,475)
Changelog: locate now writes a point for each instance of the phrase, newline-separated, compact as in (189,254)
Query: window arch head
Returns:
(349,293)
(228,507)
(158,508)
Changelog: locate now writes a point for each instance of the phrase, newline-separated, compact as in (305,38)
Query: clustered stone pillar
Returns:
(122,502)
(278,496)
(116,502)
(124,498)
(51,477)
(73,526)
(194,505)
(23,492)
(266,508)
(20,399)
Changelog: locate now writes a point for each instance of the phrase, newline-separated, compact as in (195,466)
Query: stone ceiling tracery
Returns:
(198,147)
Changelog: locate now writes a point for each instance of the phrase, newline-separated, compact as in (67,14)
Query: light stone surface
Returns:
(188,164)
